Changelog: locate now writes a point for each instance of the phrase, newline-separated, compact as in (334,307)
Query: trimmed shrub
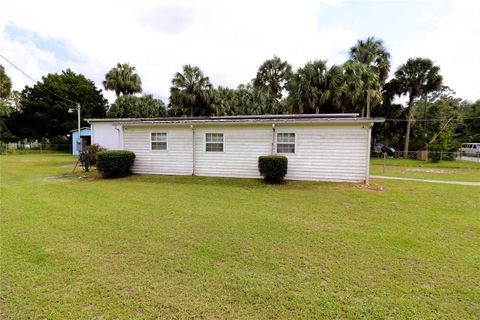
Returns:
(273,168)
(115,163)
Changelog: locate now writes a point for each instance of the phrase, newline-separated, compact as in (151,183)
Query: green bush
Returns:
(115,163)
(273,168)
(435,153)
(58,143)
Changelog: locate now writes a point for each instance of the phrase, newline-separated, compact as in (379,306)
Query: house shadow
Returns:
(232,182)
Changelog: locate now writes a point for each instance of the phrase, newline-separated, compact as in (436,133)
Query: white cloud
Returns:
(227,39)
(453,44)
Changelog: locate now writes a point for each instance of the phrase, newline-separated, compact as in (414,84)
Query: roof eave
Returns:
(251,122)
(245,119)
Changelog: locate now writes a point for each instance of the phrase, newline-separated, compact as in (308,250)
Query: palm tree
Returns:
(191,91)
(315,88)
(373,53)
(249,100)
(223,102)
(360,83)
(123,80)
(418,76)
(5,84)
(273,76)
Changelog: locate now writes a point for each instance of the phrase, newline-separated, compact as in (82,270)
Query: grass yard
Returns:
(445,170)
(182,247)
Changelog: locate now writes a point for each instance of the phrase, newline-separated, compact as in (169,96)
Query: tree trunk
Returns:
(409,123)
(425,116)
(424,111)
(386,140)
(368,101)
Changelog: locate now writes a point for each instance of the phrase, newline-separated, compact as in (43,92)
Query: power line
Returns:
(29,77)
(430,120)
(26,75)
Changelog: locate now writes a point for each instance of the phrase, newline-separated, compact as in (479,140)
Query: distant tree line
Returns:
(363,84)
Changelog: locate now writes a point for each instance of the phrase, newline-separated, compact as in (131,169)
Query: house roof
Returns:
(81,129)
(246,119)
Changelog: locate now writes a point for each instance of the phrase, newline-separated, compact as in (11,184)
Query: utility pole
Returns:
(440,131)
(79,140)
(368,101)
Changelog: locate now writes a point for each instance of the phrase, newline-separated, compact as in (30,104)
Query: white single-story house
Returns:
(323,147)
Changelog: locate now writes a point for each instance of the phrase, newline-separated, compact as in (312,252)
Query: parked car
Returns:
(470,149)
(388,150)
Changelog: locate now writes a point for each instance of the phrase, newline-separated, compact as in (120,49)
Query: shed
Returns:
(322,147)
(85,134)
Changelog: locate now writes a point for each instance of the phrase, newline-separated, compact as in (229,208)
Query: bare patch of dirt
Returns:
(430,170)
(342,187)
(70,165)
(65,177)
(371,186)
(33,160)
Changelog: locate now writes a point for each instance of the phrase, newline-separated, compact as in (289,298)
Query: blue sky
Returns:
(230,39)
(57,46)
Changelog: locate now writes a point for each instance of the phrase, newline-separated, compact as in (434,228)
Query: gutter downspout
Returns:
(92,134)
(119,128)
(369,139)
(193,150)
(273,139)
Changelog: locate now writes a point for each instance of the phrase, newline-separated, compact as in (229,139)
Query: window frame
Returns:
(223,142)
(166,141)
(294,143)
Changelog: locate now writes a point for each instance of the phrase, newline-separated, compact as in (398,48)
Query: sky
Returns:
(230,39)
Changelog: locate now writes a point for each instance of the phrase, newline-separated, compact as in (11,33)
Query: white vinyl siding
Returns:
(178,159)
(158,141)
(242,147)
(214,142)
(327,152)
(285,142)
(105,135)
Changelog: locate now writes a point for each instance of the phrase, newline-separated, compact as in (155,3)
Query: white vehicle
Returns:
(470,149)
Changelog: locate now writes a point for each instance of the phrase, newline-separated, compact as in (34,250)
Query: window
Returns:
(214,142)
(159,141)
(285,142)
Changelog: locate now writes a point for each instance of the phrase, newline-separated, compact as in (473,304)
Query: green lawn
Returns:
(147,247)
(445,170)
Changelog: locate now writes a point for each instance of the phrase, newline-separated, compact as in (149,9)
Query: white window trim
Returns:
(205,149)
(294,143)
(150,138)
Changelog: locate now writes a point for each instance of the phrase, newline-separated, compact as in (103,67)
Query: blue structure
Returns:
(85,134)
